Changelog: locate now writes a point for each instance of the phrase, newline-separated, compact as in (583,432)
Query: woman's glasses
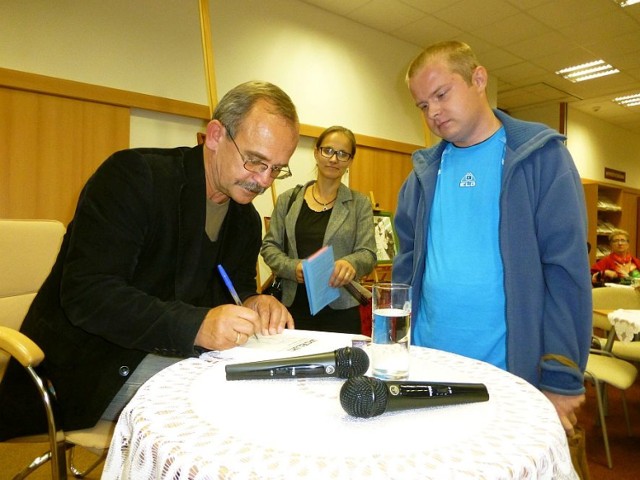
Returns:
(341,155)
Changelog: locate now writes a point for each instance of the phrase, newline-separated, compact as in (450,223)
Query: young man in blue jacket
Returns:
(492,230)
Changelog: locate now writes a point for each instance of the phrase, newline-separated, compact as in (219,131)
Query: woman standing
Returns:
(324,212)
(619,265)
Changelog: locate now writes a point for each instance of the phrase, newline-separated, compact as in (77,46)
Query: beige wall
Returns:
(593,143)
(337,71)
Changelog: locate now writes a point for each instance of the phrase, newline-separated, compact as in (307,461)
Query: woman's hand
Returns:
(610,274)
(343,273)
(299,273)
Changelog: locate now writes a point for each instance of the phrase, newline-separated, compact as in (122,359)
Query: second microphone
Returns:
(344,362)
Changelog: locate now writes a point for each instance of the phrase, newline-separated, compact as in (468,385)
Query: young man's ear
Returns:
(480,77)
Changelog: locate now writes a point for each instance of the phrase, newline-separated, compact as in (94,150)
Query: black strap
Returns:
(292,199)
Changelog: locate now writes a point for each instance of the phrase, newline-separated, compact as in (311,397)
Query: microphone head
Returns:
(364,397)
(351,362)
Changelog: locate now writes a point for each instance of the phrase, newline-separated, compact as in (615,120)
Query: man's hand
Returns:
(273,315)
(566,406)
(227,326)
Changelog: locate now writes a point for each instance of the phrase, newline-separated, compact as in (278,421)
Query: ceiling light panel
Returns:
(626,3)
(628,100)
(587,71)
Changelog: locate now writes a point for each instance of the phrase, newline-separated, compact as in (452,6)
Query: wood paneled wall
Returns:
(381,172)
(56,132)
(49,146)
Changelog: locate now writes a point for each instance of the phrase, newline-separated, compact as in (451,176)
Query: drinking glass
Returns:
(391,327)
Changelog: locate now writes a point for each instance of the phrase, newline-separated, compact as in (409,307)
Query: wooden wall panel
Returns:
(629,219)
(381,172)
(49,146)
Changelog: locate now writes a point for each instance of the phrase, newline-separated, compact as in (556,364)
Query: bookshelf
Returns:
(610,206)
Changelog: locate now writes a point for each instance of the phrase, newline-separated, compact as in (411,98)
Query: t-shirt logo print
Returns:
(468,180)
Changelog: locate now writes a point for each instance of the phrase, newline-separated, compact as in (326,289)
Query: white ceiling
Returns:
(522,43)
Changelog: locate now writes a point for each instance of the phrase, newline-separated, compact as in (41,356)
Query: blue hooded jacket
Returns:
(543,243)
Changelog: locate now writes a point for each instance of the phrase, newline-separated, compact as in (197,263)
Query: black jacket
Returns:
(135,275)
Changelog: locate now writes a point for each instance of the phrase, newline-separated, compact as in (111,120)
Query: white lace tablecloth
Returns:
(626,323)
(189,422)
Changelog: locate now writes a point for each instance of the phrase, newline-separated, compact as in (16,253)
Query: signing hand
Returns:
(227,326)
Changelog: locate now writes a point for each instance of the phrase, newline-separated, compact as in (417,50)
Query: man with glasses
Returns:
(135,286)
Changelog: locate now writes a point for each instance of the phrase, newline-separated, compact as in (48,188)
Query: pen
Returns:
(231,288)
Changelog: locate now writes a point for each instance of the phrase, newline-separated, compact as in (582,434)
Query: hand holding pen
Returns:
(232,291)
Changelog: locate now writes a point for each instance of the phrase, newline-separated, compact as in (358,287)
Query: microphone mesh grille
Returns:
(364,397)
(351,362)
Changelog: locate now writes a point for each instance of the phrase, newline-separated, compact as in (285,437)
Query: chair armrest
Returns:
(21,347)
(595,351)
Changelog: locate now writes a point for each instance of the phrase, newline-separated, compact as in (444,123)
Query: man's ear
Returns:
(215,132)
(480,77)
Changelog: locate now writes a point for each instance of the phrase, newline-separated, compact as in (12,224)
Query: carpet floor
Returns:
(625,449)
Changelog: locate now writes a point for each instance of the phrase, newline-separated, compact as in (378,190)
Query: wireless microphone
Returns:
(367,397)
(344,362)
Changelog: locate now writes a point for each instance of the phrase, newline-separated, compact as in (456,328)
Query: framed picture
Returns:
(386,239)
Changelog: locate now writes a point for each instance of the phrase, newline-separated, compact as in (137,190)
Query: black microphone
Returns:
(367,397)
(345,362)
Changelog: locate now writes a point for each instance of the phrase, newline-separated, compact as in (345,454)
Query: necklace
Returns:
(324,205)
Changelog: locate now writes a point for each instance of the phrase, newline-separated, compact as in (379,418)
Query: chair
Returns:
(29,249)
(603,368)
(612,298)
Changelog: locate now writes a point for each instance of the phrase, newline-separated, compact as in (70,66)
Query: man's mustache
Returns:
(252,187)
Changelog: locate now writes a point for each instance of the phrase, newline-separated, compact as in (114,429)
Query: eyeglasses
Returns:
(620,240)
(341,155)
(277,172)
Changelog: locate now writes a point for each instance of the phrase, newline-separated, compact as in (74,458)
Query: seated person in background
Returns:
(619,265)
(135,285)
(325,212)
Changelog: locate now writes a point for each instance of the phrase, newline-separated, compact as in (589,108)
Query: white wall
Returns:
(335,70)
(594,144)
(145,46)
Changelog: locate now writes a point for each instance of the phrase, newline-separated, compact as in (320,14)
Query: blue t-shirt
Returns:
(462,309)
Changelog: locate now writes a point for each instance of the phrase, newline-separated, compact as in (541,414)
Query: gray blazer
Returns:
(350,230)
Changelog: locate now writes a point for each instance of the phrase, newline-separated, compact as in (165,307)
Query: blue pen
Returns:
(231,288)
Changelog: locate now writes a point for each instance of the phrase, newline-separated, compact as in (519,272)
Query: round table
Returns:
(189,422)
(626,323)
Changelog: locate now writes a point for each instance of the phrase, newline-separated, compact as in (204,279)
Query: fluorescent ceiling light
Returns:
(626,3)
(628,100)
(587,71)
